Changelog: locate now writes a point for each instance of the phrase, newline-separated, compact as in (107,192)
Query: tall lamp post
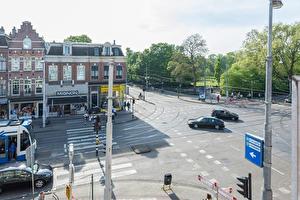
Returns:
(267,190)
(44,93)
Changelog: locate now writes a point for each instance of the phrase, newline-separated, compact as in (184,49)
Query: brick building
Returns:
(77,76)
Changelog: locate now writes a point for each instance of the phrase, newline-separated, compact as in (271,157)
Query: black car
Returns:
(206,122)
(19,173)
(224,114)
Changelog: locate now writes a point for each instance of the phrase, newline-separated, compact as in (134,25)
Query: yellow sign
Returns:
(104,88)
(68,191)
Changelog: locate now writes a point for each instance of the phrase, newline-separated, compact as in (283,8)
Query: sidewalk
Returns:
(135,190)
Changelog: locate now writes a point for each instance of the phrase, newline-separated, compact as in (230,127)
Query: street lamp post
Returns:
(108,186)
(267,190)
(44,93)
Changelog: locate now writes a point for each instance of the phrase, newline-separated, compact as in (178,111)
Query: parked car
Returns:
(206,122)
(19,173)
(224,114)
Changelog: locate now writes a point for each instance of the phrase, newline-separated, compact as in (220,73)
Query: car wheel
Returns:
(39,183)
(195,125)
(217,127)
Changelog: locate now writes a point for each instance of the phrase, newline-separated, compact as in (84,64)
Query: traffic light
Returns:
(245,186)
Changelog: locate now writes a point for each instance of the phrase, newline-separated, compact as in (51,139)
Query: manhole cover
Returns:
(139,149)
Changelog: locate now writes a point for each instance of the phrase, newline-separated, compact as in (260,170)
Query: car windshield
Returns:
(199,119)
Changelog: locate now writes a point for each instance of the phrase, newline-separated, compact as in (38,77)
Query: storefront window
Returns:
(67,70)
(53,73)
(38,86)
(27,87)
(81,72)
(15,87)
(27,64)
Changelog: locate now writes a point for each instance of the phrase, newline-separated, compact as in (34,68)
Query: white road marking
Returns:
(177,150)
(123,173)
(189,160)
(218,138)
(183,154)
(184,137)
(209,156)
(217,162)
(196,147)
(189,141)
(235,148)
(179,133)
(225,169)
(204,173)
(176,130)
(279,172)
(202,151)
(229,136)
(284,190)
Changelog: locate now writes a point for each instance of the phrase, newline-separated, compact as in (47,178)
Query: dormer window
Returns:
(67,49)
(107,49)
(27,43)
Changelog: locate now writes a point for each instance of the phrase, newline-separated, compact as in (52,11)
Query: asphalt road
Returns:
(175,148)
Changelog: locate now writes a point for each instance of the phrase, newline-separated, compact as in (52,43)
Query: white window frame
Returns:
(27,88)
(27,64)
(67,72)
(15,64)
(38,84)
(27,39)
(80,72)
(53,73)
(38,64)
(2,64)
(118,71)
(12,87)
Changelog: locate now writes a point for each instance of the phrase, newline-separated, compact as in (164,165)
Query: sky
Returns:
(139,23)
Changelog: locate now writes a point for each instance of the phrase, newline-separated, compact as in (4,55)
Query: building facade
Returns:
(77,76)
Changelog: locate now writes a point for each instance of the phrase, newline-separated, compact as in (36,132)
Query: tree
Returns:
(194,47)
(79,38)
(218,70)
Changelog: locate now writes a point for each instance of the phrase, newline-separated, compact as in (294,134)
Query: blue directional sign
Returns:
(254,149)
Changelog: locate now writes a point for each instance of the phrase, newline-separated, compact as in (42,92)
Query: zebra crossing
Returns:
(120,167)
(84,139)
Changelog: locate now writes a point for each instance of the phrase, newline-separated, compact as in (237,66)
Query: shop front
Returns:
(26,106)
(66,101)
(3,108)
(118,94)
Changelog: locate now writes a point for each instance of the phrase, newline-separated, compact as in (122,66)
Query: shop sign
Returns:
(104,88)
(67,93)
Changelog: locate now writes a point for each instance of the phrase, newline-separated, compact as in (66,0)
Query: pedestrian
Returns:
(218,98)
(33,114)
(12,150)
(128,106)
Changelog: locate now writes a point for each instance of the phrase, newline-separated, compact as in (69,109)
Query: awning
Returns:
(67,100)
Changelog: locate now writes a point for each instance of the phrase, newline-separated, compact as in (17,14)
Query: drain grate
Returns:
(139,149)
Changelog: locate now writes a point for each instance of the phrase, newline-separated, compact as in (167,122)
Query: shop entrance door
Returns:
(67,109)
(40,109)
(3,148)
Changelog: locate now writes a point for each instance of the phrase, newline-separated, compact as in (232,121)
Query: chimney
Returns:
(13,32)
(2,31)
(114,42)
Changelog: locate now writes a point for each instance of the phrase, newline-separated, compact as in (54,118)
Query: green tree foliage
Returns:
(194,47)
(217,73)
(78,38)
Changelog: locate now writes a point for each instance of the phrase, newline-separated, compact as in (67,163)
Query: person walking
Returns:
(218,98)
(12,150)
(128,106)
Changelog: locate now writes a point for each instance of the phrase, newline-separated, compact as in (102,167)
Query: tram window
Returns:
(2,149)
(25,142)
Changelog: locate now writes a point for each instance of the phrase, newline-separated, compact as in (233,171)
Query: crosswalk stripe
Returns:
(84,136)
(78,129)
(92,138)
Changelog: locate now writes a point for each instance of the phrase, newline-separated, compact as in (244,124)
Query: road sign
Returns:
(254,149)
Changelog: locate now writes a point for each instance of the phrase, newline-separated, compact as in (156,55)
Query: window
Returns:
(67,49)
(67,71)
(15,87)
(38,64)
(119,72)
(2,87)
(106,68)
(2,64)
(27,64)
(27,43)
(96,51)
(53,73)
(25,142)
(15,64)
(94,72)
(116,52)
(80,72)
(38,86)
(27,86)
(107,51)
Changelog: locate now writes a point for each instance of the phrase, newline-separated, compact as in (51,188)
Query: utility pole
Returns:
(71,170)
(226,81)
(44,94)
(108,187)
(267,190)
